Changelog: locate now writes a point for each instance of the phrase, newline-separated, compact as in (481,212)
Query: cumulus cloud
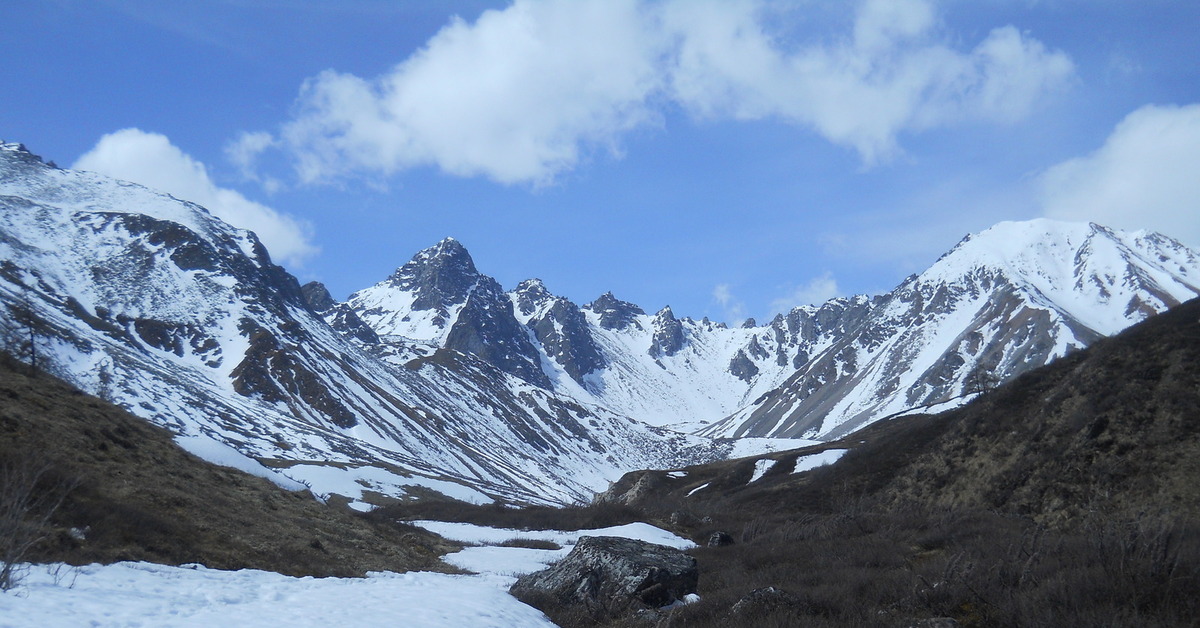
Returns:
(893,75)
(525,93)
(151,160)
(815,292)
(517,96)
(1143,177)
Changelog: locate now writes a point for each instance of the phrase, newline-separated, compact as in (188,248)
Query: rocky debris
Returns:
(719,539)
(765,600)
(608,575)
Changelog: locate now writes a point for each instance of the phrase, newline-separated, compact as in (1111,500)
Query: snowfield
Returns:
(145,594)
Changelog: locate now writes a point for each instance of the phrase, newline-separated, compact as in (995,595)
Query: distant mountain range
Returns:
(1003,301)
(437,380)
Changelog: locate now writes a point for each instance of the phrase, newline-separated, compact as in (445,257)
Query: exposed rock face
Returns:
(668,334)
(338,315)
(742,367)
(317,296)
(438,297)
(608,575)
(615,313)
(648,485)
(441,276)
(487,328)
(560,327)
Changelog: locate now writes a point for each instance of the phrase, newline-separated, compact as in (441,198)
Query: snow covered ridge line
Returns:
(520,396)
(154,304)
(1002,301)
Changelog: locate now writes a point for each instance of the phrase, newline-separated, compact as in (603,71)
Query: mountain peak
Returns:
(614,313)
(447,252)
(317,296)
(440,276)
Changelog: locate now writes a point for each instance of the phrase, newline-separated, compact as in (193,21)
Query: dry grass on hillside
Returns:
(135,495)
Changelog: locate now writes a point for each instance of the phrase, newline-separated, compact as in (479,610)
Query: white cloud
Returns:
(1145,176)
(735,310)
(519,95)
(526,93)
(817,291)
(894,75)
(151,160)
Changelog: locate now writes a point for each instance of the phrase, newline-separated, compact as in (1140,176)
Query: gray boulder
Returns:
(607,575)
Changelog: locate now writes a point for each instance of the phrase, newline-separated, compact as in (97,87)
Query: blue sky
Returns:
(729,159)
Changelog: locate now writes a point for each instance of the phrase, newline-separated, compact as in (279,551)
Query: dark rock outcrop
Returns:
(317,296)
(668,334)
(441,275)
(742,367)
(608,575)
(615,313)
(487,327)
(720,539)
(561,328)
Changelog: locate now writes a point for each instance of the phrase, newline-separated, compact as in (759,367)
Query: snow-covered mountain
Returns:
(438,379)
(1001,302)
(153,303)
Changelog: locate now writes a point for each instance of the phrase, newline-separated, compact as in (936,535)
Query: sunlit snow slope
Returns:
(155,304)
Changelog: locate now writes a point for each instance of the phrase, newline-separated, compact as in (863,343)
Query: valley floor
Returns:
(147,594)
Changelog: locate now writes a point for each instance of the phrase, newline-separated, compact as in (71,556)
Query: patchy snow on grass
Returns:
(219,453)
(760,468)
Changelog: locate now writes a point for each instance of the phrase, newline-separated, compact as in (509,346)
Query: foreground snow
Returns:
(145,594)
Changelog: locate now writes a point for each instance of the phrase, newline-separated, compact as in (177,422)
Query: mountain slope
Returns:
(1001,302)
(1011,298)
(134,494)
(153,303)
(1065,497)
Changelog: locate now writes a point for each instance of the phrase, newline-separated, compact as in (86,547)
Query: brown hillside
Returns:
(138,496)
